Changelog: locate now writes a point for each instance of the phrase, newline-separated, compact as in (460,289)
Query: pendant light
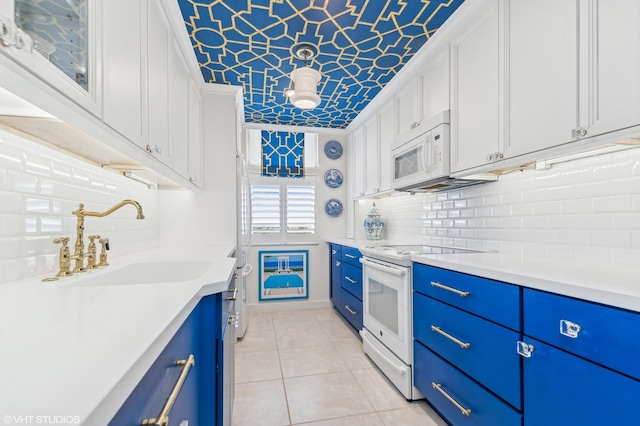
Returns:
(305,82)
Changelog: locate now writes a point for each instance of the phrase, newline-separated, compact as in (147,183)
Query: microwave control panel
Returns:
(439,148)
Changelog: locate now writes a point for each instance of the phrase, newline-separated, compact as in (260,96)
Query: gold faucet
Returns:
(65,257)
(81,213)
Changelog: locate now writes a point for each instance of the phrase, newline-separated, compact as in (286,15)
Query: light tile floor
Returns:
(307,367)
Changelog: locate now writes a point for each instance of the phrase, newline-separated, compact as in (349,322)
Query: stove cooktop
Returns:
(401,254)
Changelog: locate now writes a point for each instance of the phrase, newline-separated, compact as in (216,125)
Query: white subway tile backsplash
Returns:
(611,238)
(588,209)
(40,187)
(626,221)
(577,206)
(621,203)
(593,189)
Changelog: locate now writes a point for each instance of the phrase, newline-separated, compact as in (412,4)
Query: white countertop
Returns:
(610,284)
(80,351)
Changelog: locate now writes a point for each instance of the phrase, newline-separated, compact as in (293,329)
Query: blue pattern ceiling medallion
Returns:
(361,45)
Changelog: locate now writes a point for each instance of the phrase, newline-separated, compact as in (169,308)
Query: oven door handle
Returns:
(400,271)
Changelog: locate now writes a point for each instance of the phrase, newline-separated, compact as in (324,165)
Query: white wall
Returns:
(207,217)
(40,187)
(587,209)
(328,227)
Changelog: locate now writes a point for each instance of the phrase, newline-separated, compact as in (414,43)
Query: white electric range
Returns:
(387,336)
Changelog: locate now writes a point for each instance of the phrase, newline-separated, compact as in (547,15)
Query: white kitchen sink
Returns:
(142,273)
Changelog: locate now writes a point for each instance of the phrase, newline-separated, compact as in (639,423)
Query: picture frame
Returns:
(283,274)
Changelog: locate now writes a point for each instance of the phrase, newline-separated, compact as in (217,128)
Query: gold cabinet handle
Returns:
(350,256)
(462,344)
(348,308)
(438,387)
(163,417)
(451,289)
(351,280)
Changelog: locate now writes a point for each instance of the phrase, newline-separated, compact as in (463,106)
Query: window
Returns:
(283,210)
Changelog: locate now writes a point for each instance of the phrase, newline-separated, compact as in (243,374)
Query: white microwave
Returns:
(422,159)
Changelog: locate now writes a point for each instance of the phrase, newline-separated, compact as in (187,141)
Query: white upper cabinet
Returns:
(386,135)
(371,156)
(475,90)
(195,135)
(434,82)
(520,88)
(57,42)
(123,68)
(179,111)
(408,107)
(609,65)
(541,77)
(158,84)
(356,163)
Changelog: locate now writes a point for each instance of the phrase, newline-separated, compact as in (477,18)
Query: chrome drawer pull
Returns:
(569,329)
(234,296)
(524,349)
(451,289)
(350,256)
(163,417)
(438,387)
(348,308)
(334,251)
(462,344)
(351,280)
(337,263)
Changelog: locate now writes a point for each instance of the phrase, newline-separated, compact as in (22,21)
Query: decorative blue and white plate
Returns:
(333,207)
(333,178)
(333,150)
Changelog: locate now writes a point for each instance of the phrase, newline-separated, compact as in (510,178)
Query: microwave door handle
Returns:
(426,145)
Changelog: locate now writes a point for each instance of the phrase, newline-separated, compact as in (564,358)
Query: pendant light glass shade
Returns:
(305,81)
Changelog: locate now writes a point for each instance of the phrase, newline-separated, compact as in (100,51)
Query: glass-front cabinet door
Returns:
(55,40)
(59,32)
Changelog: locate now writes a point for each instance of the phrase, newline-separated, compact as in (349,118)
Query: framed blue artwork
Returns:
(283,274)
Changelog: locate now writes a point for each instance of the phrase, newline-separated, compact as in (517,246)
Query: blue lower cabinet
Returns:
(351,309)
(483,350)
(150,395)
(336,274)
(206,397)
(602,334)
(352,279)
(459,399)
(563,389)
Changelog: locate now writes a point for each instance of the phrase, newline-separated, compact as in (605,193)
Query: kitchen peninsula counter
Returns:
(79,351)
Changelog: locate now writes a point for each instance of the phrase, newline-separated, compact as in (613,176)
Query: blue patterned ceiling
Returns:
(362,44)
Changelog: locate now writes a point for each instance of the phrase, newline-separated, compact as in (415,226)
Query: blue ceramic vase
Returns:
(373,224)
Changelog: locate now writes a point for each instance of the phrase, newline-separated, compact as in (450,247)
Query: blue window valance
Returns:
(282,154)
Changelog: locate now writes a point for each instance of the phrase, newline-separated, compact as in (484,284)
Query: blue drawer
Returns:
(608,336)
(486,408)
(351,309)
(563,389)
(351,255)
(336,252)
(493,300)
(150,395)
(352,279)
(491,357)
